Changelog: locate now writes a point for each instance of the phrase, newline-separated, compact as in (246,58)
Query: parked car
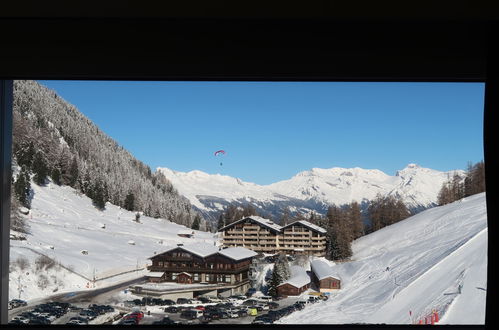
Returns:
(232,313)
(76,322)
(265,298)
(14,303)
(204,300)
(130,321)
(250,302)
(79,318)
(272,305)
(189,314)
(168,302)
(183,301)
(171,309)
(165,321)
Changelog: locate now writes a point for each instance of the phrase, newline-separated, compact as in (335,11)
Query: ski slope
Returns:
(401,273)
(63,223)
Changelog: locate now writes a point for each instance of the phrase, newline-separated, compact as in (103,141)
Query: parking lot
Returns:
(231,310)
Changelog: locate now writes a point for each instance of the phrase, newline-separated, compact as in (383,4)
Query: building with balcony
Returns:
(265,236)
(201,263)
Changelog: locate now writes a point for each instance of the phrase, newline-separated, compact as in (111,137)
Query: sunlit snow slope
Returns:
(63,224)
(401,273)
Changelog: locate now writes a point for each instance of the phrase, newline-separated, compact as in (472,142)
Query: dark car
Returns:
(182,301)
(273,305)
(212,315)
(79,318)
(171,309)
(15,322)
(204,300)
(168,302)
(130,321)
(189,314)
(165,321)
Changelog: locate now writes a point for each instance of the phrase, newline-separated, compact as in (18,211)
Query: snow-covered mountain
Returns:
(433,261)
(310,190)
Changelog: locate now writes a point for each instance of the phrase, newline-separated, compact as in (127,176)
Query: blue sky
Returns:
(273,130)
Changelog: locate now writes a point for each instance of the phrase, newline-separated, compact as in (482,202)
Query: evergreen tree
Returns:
(25,153)
(129,203)
(22,187)
(221,221)
(56,176)
(40,169)
(98,196)
(196,222)
(285,217)
(280,274)
(73,173)
(339,234)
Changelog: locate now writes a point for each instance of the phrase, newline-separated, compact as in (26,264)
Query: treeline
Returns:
(51,138)
(457,187)
(233,213)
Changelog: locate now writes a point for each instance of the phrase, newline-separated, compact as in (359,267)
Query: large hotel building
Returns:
(263,235)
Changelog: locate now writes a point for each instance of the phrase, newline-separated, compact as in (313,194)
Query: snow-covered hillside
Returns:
(63,224)
(435,260)
(311,190)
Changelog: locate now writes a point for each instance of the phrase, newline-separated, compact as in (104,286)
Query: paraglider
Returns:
(220,153)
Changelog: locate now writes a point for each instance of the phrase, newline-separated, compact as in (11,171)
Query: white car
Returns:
(265,298)
(23,319)
(195,302)
(232,313)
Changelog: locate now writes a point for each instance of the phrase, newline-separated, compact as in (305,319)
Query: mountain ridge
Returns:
(310,190)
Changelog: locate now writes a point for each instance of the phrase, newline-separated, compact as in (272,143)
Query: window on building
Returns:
(174,276)
(196,277)
(227,278)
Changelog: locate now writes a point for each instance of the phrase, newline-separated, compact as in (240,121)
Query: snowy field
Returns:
(401,273)
(62,224)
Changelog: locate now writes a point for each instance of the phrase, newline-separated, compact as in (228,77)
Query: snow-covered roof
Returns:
(155,274)
(238,253)
(262,221)
(322,270)
(299,277)
(200,249)
(307,224)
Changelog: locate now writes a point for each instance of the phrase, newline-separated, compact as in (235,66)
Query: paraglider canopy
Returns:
(218,153)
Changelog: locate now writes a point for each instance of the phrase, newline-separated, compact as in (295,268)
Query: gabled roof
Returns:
(308,225)
(299,277)
(322,270)
(261,221)
(200,249)
(237,253)
(155,274)
(204,250)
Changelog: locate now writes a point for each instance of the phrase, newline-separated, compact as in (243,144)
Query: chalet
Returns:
(201,263)
(263,235)
(323,277)
(303,237)
(296,284)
